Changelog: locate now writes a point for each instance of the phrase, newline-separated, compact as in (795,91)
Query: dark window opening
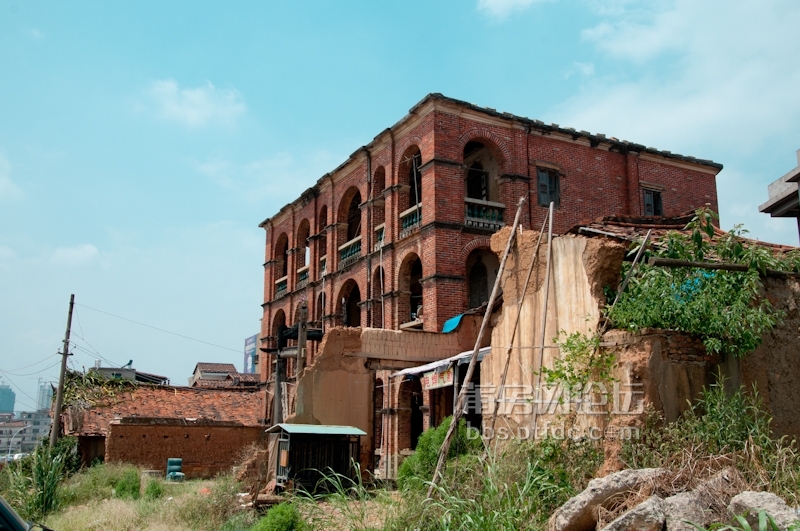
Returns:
(548,188)
(478,284)
(652,203)
(354,217)
(352,310)
(477,182)
(415,180)
(416,289)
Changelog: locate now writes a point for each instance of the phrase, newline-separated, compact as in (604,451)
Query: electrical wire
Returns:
(37,363)
(159,329)
(32,373)
(21,391)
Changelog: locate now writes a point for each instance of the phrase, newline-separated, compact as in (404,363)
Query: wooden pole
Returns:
(462,394)
(544,314)
(55,431)
(534,259)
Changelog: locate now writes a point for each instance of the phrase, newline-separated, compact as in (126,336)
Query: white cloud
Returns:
(582,69)
(278,178)
(701,79)
(196,107)
(74,256)
(500,9)
(8,190)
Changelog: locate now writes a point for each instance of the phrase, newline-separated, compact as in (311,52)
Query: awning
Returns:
(316,429)
(443,365)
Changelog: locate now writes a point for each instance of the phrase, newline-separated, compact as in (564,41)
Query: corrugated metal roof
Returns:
(444,364)
(316,429)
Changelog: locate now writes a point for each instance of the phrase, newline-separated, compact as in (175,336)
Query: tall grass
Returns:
(32,485)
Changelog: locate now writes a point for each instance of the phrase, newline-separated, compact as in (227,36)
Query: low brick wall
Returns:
(207,448)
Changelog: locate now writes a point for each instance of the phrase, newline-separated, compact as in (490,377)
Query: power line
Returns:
(21,391)
(32,373)
(32,364)
(159,329)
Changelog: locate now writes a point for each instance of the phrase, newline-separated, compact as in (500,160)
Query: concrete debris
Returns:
(682,508)
(647,516)
(580,512)
(749,503)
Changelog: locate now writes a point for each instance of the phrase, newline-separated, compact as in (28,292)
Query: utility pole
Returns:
(55,430)
(302,327)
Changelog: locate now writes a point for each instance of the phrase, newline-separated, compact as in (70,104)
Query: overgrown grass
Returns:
(31,485)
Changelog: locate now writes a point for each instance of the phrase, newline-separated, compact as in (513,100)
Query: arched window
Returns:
(410,308)
(348,304)
(482,267)
(281,256)
(354,217)
(304,253)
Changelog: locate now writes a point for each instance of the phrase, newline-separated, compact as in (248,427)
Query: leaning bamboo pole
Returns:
(462,394)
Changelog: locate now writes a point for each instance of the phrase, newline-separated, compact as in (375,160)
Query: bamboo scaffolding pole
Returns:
(462,394)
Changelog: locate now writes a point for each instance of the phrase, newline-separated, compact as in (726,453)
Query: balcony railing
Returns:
(410,220)
(281,286)
(323,264)
(349,252)
(380,231)
(302,278)
(483,214)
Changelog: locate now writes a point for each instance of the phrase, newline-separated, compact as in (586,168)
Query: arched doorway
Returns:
(348,304)
(411,419)
(411,289)
(482,268)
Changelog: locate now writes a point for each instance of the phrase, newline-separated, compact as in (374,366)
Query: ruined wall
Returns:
(772,367)
(580,268)
(206,448)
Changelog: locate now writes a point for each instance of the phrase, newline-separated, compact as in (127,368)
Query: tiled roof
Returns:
(634,229)
(216,367)
(243,405)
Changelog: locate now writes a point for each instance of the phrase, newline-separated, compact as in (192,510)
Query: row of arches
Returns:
(481,168)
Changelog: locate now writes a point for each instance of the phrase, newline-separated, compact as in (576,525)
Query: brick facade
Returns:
(413,185)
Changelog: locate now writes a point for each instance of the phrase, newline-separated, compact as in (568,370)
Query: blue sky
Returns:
(142,143)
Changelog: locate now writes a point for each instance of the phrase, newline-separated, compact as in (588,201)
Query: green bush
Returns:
(282,517)
(153,490)
(242,521)
(32,483)
(95,483)
(418,468)
(129,484)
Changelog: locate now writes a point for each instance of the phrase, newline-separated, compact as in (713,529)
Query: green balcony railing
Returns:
(483,214)
(281,285)
(410,220)
(349,252)
(302,277)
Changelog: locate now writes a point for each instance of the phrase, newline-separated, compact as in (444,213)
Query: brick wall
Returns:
(207,449)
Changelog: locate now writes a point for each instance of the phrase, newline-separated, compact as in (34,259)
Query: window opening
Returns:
(652,203)
(548,189)
(477,182)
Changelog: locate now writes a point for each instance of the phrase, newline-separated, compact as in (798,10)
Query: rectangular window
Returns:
(548,189)
(652,203)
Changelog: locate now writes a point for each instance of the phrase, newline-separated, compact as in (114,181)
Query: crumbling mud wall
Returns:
(207,448)
(773,366)
(338,387)
(580,268)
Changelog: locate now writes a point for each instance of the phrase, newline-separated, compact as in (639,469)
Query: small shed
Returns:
(303,452)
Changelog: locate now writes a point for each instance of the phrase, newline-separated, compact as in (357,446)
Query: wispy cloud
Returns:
(196,107)
(581,69)
(8,190)
(74,256)
(500,9)
(280,177)
(691,77)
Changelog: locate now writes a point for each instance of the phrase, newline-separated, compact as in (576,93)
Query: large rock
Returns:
(647,516)
(682,508)
(718,490)
(749,503)
(580,512)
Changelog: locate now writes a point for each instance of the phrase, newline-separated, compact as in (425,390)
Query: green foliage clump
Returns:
(211,511)
(418,468)
(282,517)
(724,308)
(242,521)
(32,483)
(583,361)
(99,482)
(129,485)
(153,490)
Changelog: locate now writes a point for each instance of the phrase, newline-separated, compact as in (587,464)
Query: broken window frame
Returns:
(652,203)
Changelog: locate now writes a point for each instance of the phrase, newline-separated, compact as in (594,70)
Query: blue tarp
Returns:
(451,324)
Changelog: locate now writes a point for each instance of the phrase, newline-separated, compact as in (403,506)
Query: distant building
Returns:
(12,436)
(784,198)
(38,428)
(7,399)
(220,375)
(44,397)
(129,373)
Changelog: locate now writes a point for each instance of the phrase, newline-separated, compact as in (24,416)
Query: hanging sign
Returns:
(435,380)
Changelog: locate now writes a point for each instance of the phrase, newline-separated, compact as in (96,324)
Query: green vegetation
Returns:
(153,490)
(419,467)
(765,523)
(583,361)
(723,308)
(282,517)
